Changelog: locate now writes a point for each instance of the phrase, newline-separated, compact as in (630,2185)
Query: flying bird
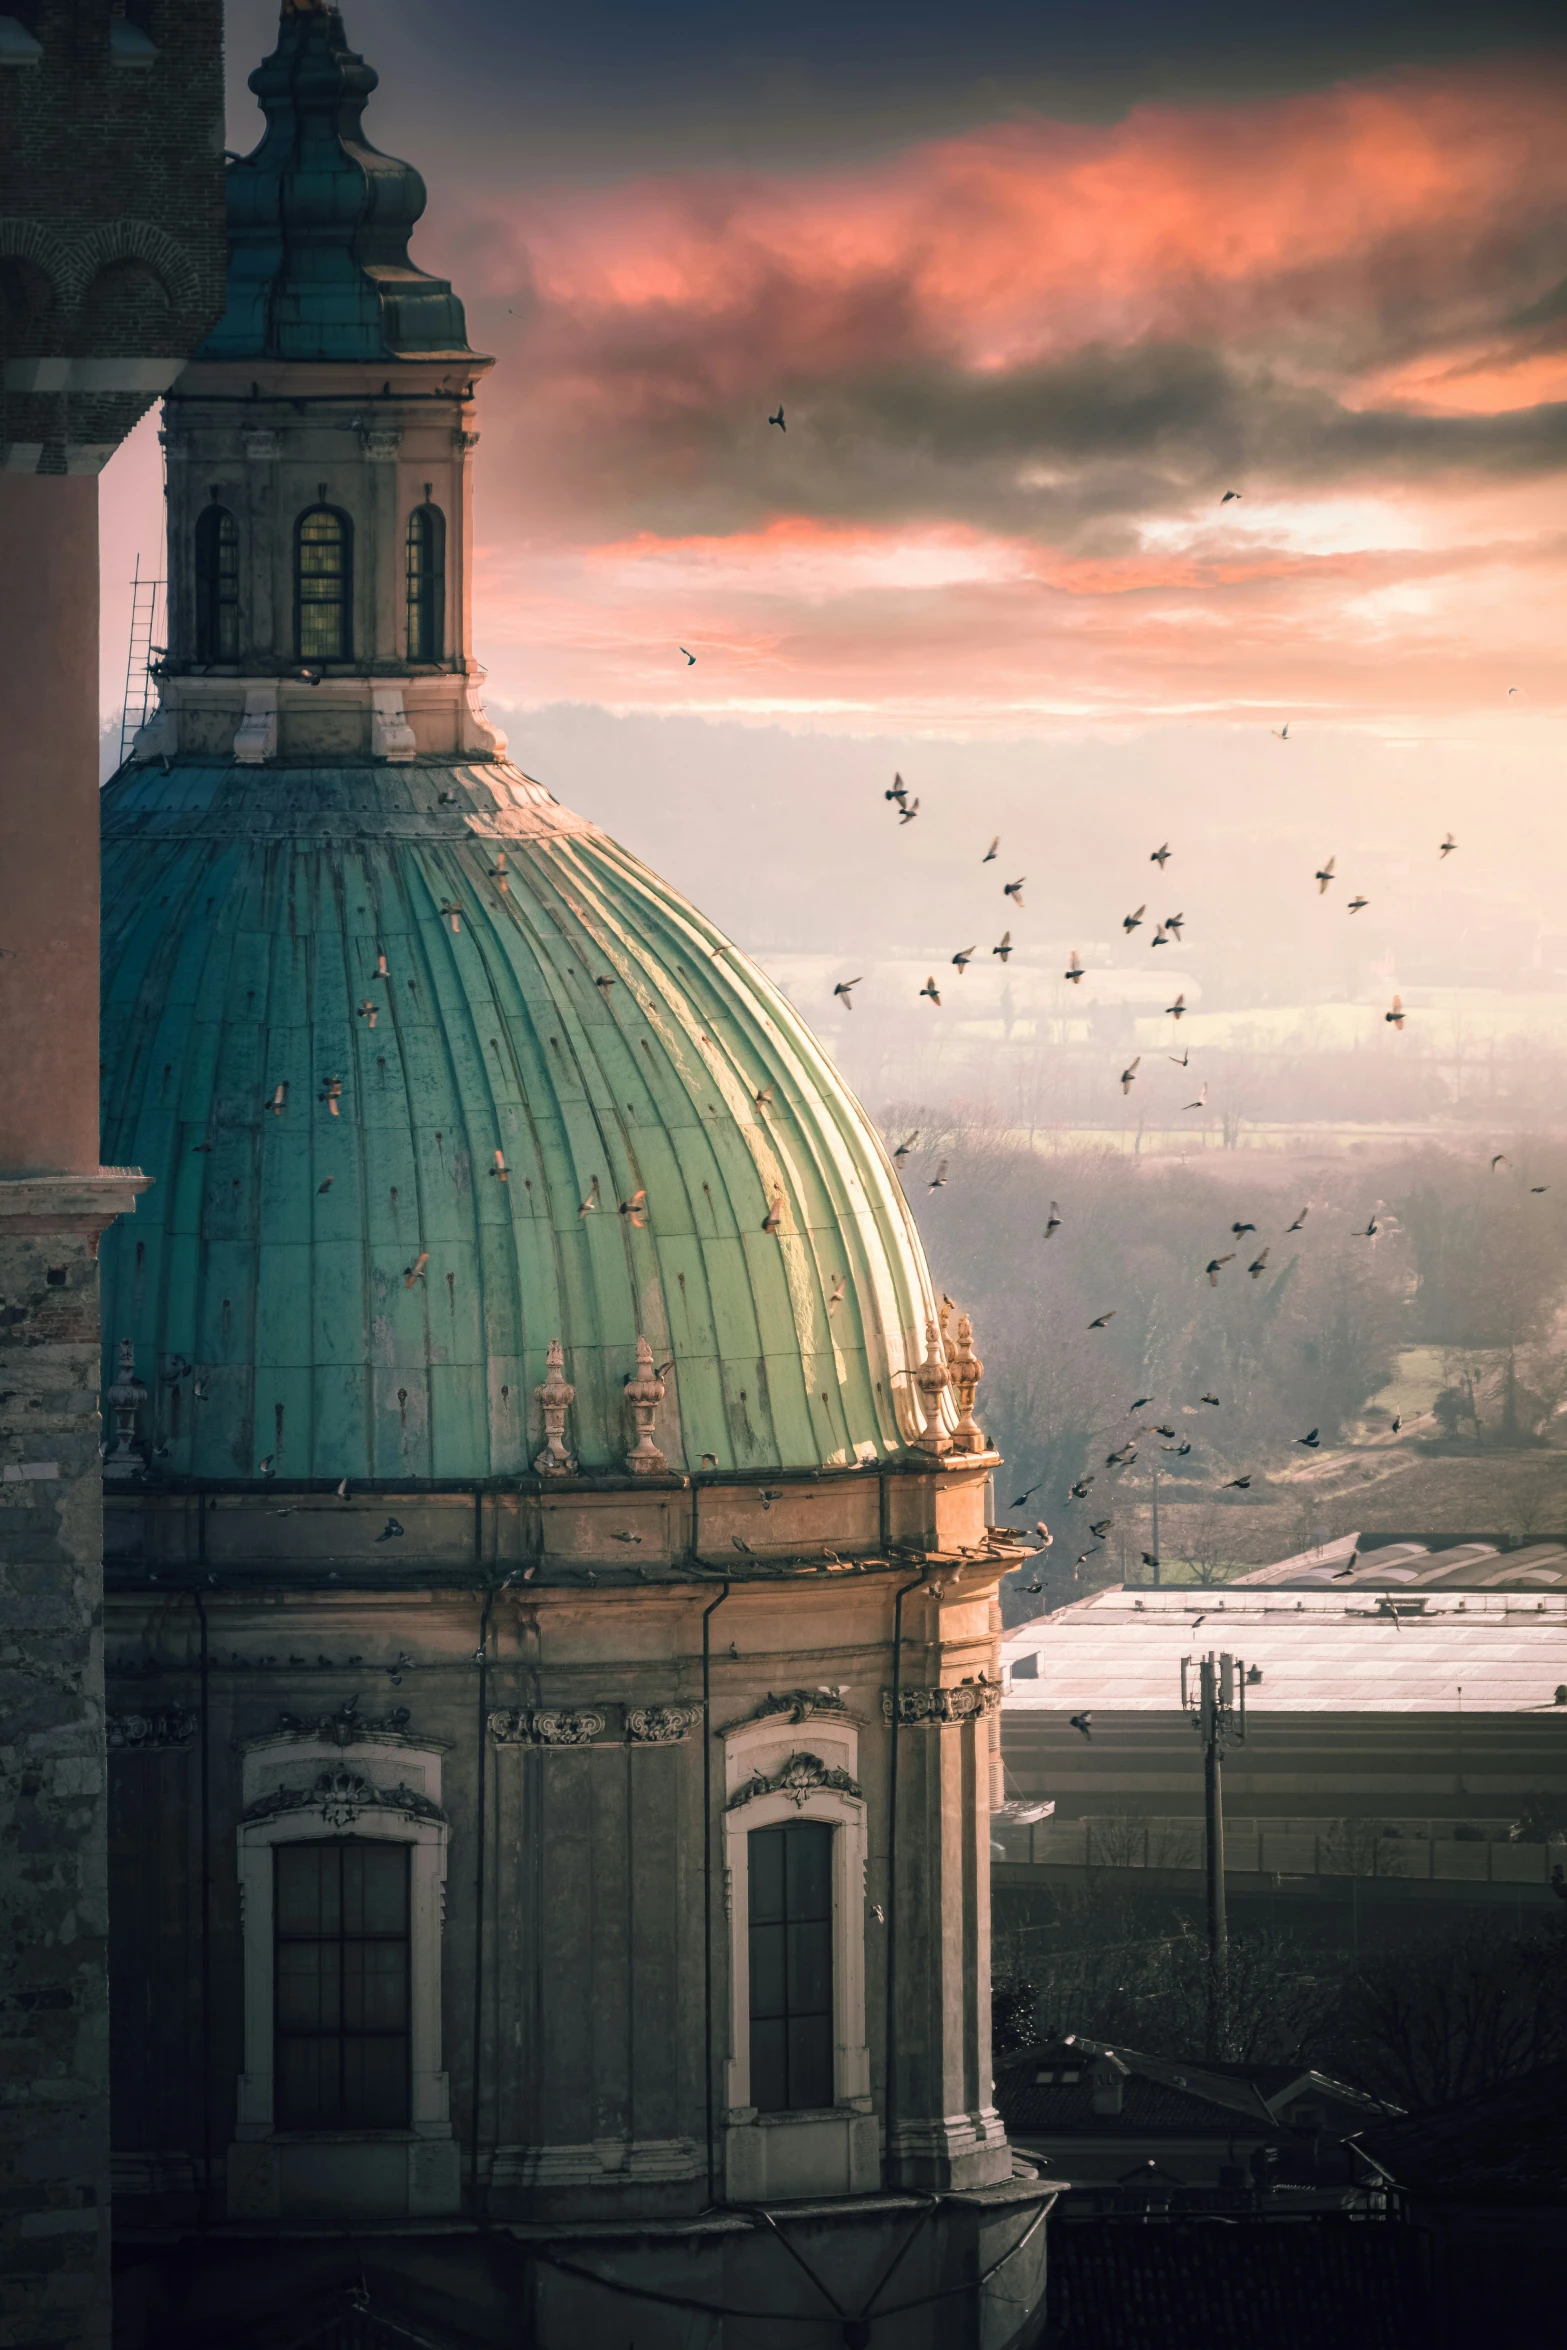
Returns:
(1229,494)
(1239,1484)
(1238,1229)
(836,1299)
(1370,1232)
(1129,1073)
(1172,923)
(1084,1724)
(1300,1220)
(898,792)
(1047,1540)
(1180,1060)
(1500,1160)
(1323,875)
(774,1216)
(391,1531)
(1283,732)
(907,1144)
(1122,1457)
(1213,1399)
(453,914)
(1142,1400)
(690,658)
(279,1100)
(634,1209)
(500,1171)
(1023,1498)
(498,873)
(1160,938)
(779,419)
(1177,1010)
(331,1093)
(1074,970)
(938,1181)
(1201,1103)
(763,1099)
(932,990)
(415,1271)
(1053,1221)
(265,1468)
(326,1186)
(1312,1442)
(594,1200)
(1100,1320)
(1536,1189)
(1447,847)
(381,970)
(1131,922)
(1100,1528)
(1079,1491)
(1180,1450)
(367,1012)
(1215,1267)
(989,855)
(1160,856)
(1356,905)
(844,989)
(907,811)
(625,1537)
(1005,947)
(342,1490)
(1014,890)
(1396,1016)
(605,979)
(1258,1265)
(962,959)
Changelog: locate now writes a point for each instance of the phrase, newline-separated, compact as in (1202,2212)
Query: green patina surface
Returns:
(244,912)
(319,221)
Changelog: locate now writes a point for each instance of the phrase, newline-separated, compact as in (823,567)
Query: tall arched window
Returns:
(217,585)
(426,583)
(323,585)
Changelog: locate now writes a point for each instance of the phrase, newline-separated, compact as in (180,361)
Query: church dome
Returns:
(430,1073)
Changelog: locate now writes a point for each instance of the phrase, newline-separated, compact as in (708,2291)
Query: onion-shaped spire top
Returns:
(319,220)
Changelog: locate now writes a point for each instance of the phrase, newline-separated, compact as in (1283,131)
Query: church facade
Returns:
(551,1629)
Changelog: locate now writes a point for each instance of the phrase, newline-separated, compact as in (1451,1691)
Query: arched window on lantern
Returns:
(217,585)
(426,583)
(323,585)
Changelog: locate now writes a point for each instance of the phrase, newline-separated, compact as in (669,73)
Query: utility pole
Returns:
(1213,1692)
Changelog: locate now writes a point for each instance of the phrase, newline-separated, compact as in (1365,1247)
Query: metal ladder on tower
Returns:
(139,658)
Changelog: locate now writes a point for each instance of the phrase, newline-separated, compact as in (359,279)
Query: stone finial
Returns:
(932,1379)
(125,1399)
(644,1393)
(967,1372)
(555,1398)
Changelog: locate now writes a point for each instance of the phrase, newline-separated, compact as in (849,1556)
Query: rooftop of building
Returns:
(1345,1648)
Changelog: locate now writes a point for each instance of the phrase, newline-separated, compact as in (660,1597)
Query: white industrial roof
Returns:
(1320,1652)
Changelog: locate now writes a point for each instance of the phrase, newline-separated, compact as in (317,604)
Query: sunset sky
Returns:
(1035,285)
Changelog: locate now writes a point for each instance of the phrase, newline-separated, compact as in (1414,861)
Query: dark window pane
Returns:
(217,586)
(769,2065)
(791,1966)
(767,1875)
(426,583)
(341,1985)
(810,2060)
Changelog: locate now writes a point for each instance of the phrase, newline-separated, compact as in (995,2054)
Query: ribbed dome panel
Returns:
(272,1280)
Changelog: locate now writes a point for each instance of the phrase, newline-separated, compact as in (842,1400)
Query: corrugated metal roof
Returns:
(1318,1652)
(1463,1566)
(351,1284)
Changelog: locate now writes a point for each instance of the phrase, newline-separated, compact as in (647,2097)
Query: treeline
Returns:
(1298,1327)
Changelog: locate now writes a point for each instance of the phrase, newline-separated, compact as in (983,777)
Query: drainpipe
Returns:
(891,2035)
(205,1784)
(707,1870)
(482,1659)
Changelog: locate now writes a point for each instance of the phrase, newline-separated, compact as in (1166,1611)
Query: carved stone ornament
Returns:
(347,1726)
(140,1733)
(547,1726)
(927,1708)
(381,442)
(802,1776)
(555,1399)
(262,445)
(967,1371)
(644,1393)
(125,1399)
(932,1379)
(661,1725)
(340,1796)
(800,1704)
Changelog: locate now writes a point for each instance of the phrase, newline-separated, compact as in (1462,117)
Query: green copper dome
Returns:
(360,1274)
(319,220)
